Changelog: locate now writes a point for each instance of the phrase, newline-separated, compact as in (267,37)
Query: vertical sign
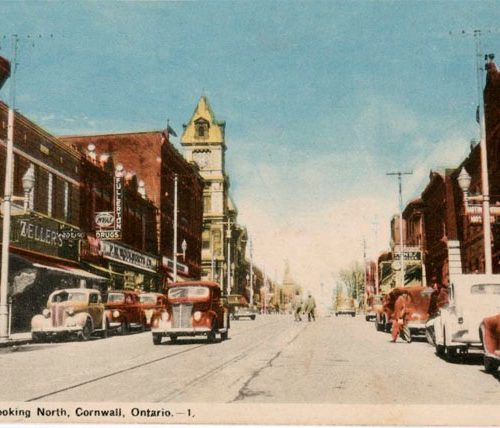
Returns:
(118,202)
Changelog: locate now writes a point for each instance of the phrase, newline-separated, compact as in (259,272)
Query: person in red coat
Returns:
(400,319)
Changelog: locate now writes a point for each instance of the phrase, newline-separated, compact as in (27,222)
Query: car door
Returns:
(95,309)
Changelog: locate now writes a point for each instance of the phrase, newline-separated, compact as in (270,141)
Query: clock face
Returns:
(201,158)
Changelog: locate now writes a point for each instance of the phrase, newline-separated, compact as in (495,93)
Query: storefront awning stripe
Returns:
(70,270)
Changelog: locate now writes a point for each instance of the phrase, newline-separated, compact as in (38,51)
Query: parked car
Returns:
(383,312)
(456,328)
(417,307)
(239,307)
(374,304)
(124,312)
(152,304)
(72,312)
(345,306)
(490,336)
(193,309)
(246,311)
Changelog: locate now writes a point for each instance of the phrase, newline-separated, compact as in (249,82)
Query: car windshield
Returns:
(147,298)
(485,289)
(115,297)
(64,296)
(188,291)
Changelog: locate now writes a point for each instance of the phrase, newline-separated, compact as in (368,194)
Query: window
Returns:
(50,193)
(201,127)
(66,200)
(217,243)
(205,237)
(207,203)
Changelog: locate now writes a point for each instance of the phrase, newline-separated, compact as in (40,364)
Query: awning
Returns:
(70,270)
(103,269)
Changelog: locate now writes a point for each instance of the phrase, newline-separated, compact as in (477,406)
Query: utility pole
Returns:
(175,228)
(485,187)
(399,174)
(251,271)
(4,277)
(365,294)
(228,255)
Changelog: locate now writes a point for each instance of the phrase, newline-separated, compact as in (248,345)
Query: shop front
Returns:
(43,257)
(128,268)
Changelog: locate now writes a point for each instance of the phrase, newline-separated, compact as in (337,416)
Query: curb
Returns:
(14,342)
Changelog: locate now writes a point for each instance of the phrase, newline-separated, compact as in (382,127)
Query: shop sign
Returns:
(46,236)
(118,202)
(409,256)
(118,253)
(169,264)
(104,219)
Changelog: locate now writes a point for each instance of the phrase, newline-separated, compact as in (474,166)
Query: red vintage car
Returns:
(152,304)
(193,309)
(123,311)
(490,337)
(417,307)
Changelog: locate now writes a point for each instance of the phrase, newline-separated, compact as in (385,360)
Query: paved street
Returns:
(273,359)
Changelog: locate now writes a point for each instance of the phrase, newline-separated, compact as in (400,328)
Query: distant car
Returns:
(244,312)
(456,328)
(194,308)
(374,304)
(490,336)
(71,312)
(152,304)
(124,312)
(345,306)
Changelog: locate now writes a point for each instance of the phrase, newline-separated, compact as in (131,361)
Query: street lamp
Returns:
(28,184)
(479,213)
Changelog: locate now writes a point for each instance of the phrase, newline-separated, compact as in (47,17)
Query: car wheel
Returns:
(37,337)
(123,329)
(212,335)
(105,331)
(253,317)
(353,315)
(490,365)
(156,339)
(224,335)
(86,331)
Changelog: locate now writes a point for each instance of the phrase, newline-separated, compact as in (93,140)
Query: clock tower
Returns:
(203,141)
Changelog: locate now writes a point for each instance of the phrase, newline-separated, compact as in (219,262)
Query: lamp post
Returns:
(28,184)
(251,271)
(399,174)
(479,213)
(174,246)
(228,235)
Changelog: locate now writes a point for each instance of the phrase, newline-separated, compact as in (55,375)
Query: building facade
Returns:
(204,143)
(151,157)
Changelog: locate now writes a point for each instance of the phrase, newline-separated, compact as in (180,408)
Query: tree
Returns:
(353,278)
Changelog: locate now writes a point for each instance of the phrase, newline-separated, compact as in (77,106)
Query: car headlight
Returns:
(46,313)
(70,311)
(197,316)
(116,314)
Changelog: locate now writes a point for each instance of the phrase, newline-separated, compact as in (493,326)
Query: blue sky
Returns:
(321,99)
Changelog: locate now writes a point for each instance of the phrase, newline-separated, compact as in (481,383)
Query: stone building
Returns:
(204,143)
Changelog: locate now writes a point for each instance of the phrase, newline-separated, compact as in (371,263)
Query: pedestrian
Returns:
(297,310)
(309,308)
(400,319)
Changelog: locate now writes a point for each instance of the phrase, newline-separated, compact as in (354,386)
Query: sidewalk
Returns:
(17,339)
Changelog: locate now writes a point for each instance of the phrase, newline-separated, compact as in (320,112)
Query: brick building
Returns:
(151,157)
(45,218)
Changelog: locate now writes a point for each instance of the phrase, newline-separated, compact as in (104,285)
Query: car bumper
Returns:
(56,331)
(198,331)
(417,328)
